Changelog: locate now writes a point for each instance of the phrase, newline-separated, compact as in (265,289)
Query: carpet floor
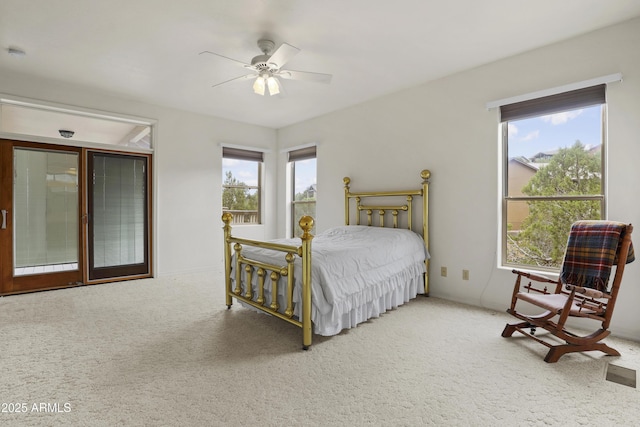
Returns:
(167,352)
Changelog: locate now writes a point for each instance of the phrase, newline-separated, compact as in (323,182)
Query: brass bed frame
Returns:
(290,252)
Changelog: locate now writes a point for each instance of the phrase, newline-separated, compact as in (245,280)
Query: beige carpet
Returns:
(167,352)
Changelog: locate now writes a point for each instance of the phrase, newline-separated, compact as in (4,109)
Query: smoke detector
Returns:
(14,51)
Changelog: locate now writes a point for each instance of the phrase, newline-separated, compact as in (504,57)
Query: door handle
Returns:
(4,219)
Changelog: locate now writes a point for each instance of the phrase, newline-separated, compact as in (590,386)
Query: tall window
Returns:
(303,186)
(241,184)
(553,150)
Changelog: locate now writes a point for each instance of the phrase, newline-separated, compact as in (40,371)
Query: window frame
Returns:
(538,107)
(245,155)
(293,156)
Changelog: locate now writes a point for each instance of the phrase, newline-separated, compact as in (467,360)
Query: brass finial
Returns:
(306,223)
(346,180)
(425,174)
(227,218)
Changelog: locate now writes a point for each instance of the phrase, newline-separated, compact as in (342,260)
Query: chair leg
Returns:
(556,352)
(509,329)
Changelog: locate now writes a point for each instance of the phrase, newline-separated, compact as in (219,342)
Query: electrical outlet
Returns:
(443,271)
(465,274)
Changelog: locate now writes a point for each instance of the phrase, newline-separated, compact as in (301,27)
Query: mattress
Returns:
(357,273)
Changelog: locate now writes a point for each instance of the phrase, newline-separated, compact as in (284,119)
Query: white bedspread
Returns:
(358,272)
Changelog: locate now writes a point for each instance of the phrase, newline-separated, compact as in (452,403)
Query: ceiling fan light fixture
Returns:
(269,66)
(258,85)
(273,85)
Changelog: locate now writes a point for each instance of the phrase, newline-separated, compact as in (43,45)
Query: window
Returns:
(303,186)
(553,151)
(241,184)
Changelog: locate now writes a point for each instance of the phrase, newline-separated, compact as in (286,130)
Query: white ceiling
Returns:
(148,50)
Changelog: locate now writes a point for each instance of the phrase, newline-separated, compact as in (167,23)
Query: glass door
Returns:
(6,202)
(118,213)
(40,210)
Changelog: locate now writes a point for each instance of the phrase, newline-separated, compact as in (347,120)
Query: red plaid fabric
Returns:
(592,250)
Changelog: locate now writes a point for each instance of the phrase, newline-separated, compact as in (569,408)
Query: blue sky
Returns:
(247,172)
(243,170)
(305,174)
(530,136)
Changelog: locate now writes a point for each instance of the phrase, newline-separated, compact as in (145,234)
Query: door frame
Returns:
(11,284)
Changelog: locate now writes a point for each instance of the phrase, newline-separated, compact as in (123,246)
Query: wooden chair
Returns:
(593,249)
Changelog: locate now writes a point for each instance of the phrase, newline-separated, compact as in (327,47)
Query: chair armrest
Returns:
(590,300)
(528,287)
(534,277)
(539,279)
(591,293)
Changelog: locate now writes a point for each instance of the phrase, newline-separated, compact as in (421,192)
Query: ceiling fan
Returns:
(267,68)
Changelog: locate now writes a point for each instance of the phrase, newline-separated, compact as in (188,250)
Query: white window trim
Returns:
(299,147)
(611,78)
(244,147)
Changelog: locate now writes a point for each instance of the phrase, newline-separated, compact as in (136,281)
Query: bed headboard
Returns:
(402,201)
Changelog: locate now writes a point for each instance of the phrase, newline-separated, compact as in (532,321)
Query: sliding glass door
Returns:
(71,216)
(118,215)
(40,201)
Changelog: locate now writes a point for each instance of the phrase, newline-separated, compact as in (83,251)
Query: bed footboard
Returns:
(244,289)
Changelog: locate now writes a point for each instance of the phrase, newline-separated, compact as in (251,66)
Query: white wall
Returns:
(187,167)
(189,171)
(444,126)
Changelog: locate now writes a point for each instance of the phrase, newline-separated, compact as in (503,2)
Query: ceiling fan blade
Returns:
(282,55)
(305,75)
(245,77)
(226,57)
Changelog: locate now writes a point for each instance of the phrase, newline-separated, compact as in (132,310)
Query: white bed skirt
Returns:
(382,297)
(376,300)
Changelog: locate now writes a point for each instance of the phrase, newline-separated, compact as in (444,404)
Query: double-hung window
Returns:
(553,173)
(241,184)
(303,185)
